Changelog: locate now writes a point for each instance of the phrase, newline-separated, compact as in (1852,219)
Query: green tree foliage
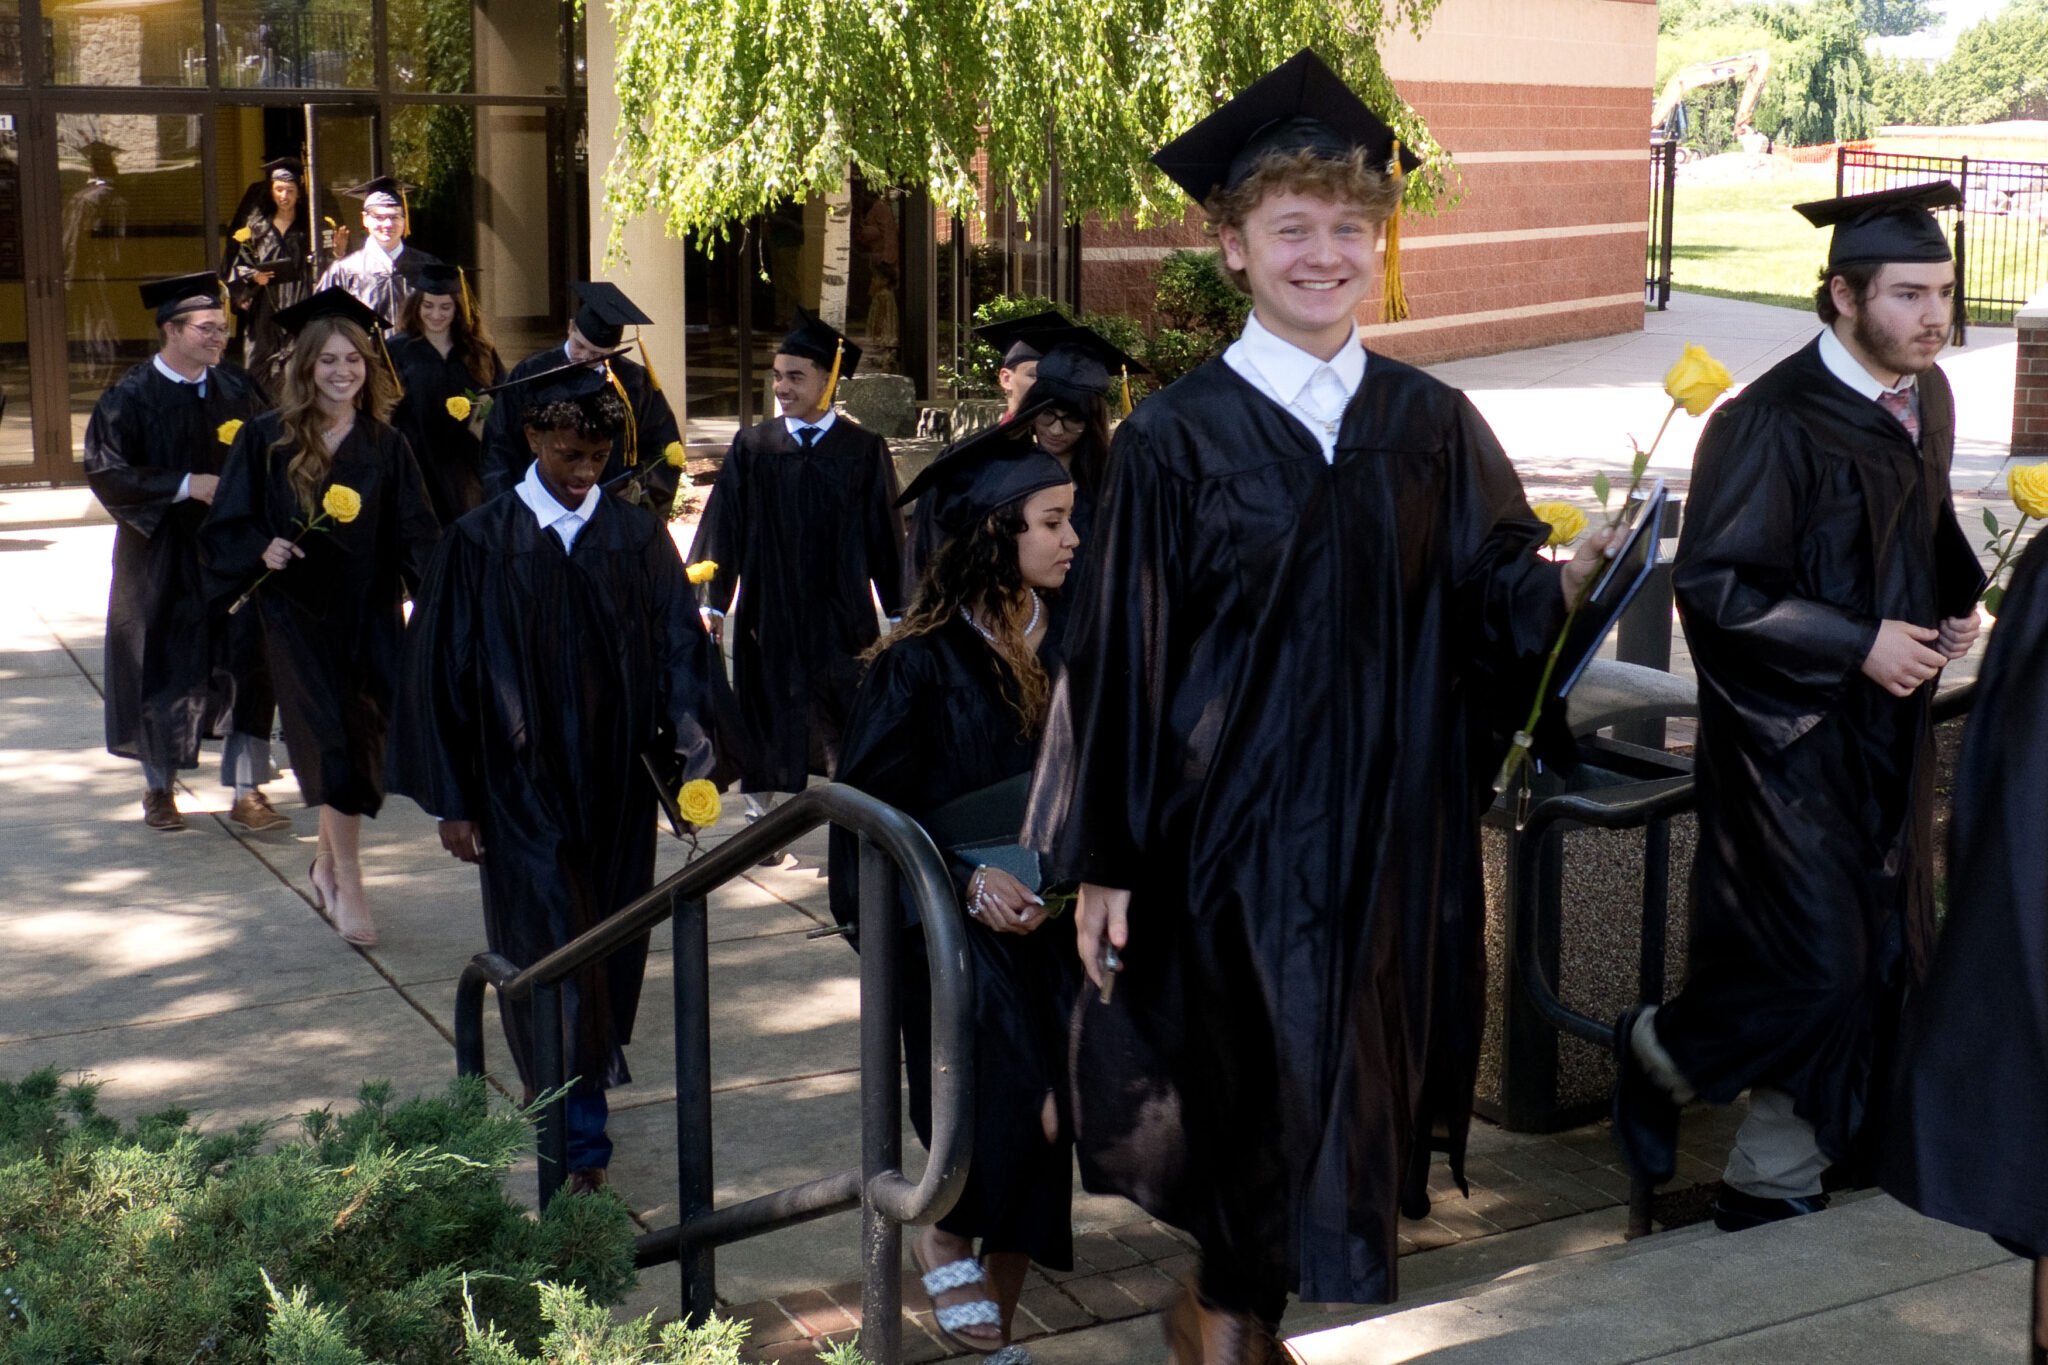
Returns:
(384,1226)
(1200,313)
(1891,18)
(1820,76)
(1998,71)
(1902,91)
(731,106)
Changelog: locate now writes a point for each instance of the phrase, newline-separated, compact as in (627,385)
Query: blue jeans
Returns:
(588,1145)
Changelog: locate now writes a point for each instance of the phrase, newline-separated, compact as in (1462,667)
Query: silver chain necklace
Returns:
(985,633)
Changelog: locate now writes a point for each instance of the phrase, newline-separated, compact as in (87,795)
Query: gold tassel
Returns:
(632,422)
(645,363)
(384,350)
(1393,297)
(1125,370)
(832,380)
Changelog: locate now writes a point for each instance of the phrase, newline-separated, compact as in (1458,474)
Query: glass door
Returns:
(22,458)
(341,152)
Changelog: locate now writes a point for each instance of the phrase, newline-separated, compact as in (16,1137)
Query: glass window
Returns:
(93,43)
(10,42)
(296,44)
(17,433)
(428,44)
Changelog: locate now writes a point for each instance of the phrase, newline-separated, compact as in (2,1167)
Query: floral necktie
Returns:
(1899,403)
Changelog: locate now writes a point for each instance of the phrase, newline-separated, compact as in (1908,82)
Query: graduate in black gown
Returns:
(1021,342)
(802,524)
(944,728)
(641,468)
(269,263)
(1313,578)
(1823,583)
(382,270)
(1972,1101)
(178,669)
(554,643)
(442,352)
(331,606)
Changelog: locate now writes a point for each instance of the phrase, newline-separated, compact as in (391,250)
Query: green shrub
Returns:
(385,1228)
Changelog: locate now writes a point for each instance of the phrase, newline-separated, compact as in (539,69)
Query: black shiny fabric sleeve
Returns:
(722,529)
(884,528)
(434,726)
(135,492)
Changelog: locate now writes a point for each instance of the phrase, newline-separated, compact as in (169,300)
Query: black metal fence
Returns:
(892,846)
(1663,181)
(2000,233)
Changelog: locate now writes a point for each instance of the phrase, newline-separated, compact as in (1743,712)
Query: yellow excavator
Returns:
(1669,120)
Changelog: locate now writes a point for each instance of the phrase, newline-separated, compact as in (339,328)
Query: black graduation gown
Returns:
(806,532)
(256,305)
(175,666)
(1811,517)
(1972,1117)
(364,276)
(932,723)
(1266,733)
(535,678)
(506,453)
(449,454)
(331,621)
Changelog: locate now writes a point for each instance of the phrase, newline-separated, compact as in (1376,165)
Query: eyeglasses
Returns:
(210,331)
(1064,421)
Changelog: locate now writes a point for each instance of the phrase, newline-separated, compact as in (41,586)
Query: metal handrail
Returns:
(891,844)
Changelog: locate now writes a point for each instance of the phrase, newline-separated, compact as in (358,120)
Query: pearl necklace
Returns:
(985,633)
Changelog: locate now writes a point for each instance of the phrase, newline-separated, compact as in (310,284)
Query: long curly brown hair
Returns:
(467,335)
(978,570)
(298,407)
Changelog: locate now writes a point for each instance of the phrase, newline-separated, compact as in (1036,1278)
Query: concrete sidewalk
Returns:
(192,968)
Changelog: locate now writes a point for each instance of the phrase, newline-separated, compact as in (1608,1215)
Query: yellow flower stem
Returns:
(307,530)
(2012,543)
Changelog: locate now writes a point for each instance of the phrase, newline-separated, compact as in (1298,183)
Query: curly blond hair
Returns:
(1335,180)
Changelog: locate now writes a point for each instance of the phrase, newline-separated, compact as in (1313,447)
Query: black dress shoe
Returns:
(1735,1211)
(1645,1115)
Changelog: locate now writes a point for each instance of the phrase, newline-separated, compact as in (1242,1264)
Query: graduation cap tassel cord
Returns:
(1126,372)
(632,427)
(1393,294)
(646,364)
(832,380)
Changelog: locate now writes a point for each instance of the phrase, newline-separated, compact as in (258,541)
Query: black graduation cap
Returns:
(1300,105)
(283,168)
(1888,225)
(1079,365)
(816,340)
(331,302)
(1019,338)
(990,469)
(183,294)
(382,191)
(526,382)
(438,278)
(580,386)
(606,311)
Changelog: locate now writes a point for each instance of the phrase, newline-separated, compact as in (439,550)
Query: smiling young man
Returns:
(1312,571)
(380,272)
(176,671)
(802,526)
(555,641)
(1824,584)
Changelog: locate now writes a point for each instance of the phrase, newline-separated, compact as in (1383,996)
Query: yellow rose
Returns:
(342,503)
(1697,380)
(241,234)
(674,453)
(1566,522)
(700,803)
(458,408)
(226,431)
(2028,484)
(703,571)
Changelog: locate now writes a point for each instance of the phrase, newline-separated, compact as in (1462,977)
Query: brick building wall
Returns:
(1544,108)
(2030,382)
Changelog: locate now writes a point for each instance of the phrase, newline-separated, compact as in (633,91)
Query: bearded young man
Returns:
(1312,570)
(1823,583)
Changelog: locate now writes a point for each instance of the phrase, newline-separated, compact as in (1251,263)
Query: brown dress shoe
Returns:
(255,813)
(160,812)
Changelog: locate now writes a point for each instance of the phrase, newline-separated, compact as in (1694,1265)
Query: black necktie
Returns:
(808,435)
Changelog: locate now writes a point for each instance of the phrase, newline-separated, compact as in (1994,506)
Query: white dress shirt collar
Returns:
(167,372)
(565,522)
(1850,371)
(823,424)
(1313,390)
(373,252)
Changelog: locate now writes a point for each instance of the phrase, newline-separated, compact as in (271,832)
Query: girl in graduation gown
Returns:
(1972,1111)
(266,268)
(443,351)
(948,716)
(332,605)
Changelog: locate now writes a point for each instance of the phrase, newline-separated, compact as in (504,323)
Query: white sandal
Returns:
(981,1312)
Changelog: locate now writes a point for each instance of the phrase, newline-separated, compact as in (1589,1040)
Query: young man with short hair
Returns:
(177,672)
(802,526)
(1823,583)
(1313,569)
(554,643)
(381,271)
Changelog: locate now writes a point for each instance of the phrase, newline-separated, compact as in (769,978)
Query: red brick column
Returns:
(2030,381)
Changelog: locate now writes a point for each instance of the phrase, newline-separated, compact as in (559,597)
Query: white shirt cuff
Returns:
(184,489)
(711,611)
